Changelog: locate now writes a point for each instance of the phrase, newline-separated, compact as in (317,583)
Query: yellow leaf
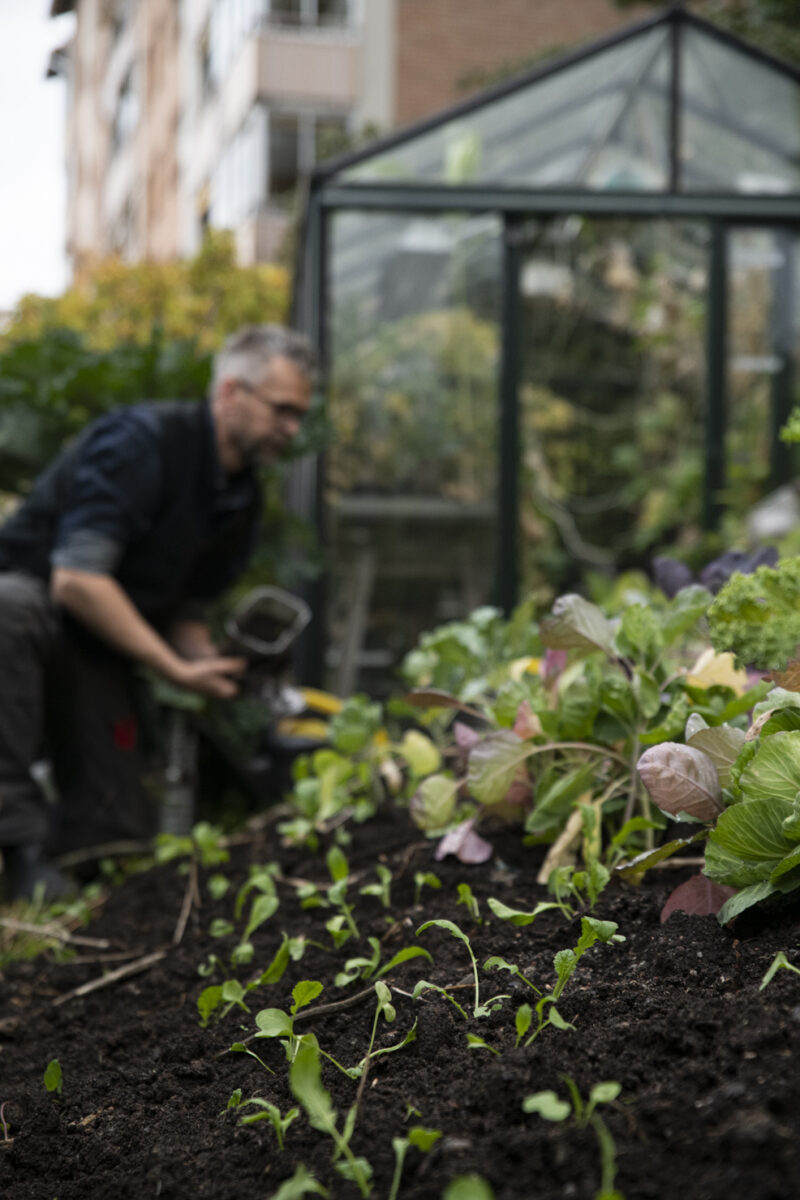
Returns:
(523,666)
(712,668)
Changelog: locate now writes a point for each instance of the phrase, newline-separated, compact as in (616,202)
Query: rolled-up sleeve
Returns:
(114,497)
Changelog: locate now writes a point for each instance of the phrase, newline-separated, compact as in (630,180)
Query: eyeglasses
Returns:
(284,412)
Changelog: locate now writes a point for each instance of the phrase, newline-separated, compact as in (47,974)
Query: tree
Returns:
(129,332)
(769,24)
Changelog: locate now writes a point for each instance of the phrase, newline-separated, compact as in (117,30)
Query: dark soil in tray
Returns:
(710,1099)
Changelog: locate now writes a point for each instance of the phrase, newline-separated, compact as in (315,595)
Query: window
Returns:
(119,11)
(237,184)
(205,64)
(296,142)
(315,13)
(126,111)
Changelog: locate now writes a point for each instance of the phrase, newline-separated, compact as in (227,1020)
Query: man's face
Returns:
(265,417)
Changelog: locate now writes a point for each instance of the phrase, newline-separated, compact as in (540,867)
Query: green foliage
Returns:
(125,333)
(53,1079)
(769,24)
(459,656)
(757,617)
(779,962)
(305,1080)
(478,1009)
(552,1108)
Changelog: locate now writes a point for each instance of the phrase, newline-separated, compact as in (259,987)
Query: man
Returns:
(109,562)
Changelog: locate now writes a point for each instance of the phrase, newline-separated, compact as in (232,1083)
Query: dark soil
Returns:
(710,1100)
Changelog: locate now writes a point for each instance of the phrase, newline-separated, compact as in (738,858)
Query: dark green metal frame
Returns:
(329,194)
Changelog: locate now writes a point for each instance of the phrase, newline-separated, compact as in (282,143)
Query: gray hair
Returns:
(247,353)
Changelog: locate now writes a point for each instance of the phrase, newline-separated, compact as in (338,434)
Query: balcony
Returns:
(310,63)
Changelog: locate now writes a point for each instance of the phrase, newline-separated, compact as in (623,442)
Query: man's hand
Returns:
(210,676)
(99,603)
(192,639)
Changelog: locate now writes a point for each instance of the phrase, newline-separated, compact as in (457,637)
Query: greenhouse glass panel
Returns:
(612,394)
(763,345)
(549,131)
(741,120)
(411,469)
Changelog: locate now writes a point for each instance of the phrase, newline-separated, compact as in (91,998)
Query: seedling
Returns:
(500,964)
(275,1023)
(466,897)
(425,879)
(381,889)
(305,1080)
(565,963)
(3,1122)
(583,886)
(218,886)
(478,1010)
(337,895)
(231,991)
(204,844)
(370,968)
(301,1184)
(53,1079)
(265,905)
(551,1108)
(423,1139)
(478,1043)
(269,1112)
(780,961)
(468,1187)
(517,916)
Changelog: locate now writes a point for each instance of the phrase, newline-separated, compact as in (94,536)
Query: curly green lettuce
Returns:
(757,616)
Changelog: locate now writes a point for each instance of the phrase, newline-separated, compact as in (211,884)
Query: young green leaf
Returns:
(208,1001)
(493,765)
(522,1021)
(337,864)
(420,753)
(779,961)
(274,1022)
(468,1187)
(774,771)
(304,992)
(515,915)
(575,623)
(478,1043)
(424,1139)
(402,956)
(548,1105)
(53,1079)
(301,1184)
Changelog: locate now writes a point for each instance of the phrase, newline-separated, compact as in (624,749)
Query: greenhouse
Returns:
(559,330)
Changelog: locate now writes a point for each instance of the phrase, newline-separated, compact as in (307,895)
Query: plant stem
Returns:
(400,1150)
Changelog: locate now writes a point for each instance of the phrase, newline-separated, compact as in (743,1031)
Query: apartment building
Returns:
(185,114)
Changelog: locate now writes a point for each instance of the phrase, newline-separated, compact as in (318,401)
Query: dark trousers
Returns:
(66,697)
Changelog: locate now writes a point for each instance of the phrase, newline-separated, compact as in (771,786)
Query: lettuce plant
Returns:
(566,731)
(744,789)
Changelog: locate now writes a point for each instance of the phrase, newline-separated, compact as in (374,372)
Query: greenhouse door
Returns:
(758,384)
(410,486)
(611,347)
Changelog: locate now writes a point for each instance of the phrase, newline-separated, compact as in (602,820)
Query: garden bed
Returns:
(710,1094)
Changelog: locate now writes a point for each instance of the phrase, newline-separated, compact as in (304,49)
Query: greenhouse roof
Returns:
(669,106)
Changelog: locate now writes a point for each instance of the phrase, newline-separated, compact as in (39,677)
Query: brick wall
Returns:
(441,43)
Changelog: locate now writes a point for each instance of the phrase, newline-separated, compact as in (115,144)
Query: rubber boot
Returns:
(27,873)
